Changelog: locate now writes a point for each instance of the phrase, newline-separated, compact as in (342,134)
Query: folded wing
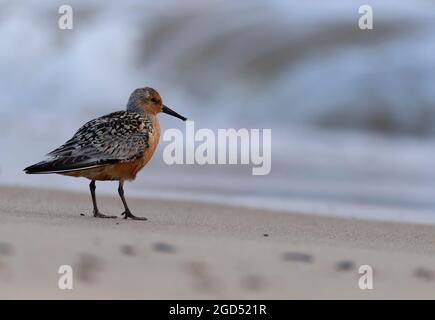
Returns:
(117,137)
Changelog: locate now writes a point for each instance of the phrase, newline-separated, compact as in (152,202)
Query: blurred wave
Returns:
(256,62)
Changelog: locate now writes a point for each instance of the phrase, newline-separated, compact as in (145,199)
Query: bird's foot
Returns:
(128,214)
(98,214)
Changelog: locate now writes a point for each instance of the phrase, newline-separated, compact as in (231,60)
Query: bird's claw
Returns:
(100,215)
(128,214)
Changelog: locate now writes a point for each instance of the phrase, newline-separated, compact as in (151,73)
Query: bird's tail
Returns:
(41,168)
(62,165)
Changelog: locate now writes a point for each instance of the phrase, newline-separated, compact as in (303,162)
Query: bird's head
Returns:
(149,101)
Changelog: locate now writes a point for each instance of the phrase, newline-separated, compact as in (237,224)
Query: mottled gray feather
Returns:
(117,137)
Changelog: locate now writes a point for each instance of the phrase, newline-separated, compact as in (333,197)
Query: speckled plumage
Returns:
(112,147)
(117,137)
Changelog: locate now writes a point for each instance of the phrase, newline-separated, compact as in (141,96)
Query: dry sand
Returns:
(190,250)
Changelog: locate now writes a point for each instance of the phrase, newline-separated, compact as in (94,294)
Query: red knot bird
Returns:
(113,147)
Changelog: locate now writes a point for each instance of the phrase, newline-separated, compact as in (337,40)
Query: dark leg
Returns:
(97,213)
(127,213)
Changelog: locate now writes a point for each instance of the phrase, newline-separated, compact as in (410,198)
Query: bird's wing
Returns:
(117,137)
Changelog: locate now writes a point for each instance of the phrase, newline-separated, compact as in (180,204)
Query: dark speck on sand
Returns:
(164,247)
(297,257)
(252,282)
(87,267)
(424,274)
(344,265)
(127,249)
(6,249)
(202,279)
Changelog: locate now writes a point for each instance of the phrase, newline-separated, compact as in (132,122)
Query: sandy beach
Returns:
(191,250)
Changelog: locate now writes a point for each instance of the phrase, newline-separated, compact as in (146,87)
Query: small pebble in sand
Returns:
(203,281)
(297,257)
(87,267)
(265,234)
(198,269)
(424,274)
(127,249)
(344,265)
(252,282)
(6,249)
(164,247)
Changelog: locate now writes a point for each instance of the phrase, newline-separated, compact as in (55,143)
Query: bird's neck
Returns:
(134,106)
(141,108)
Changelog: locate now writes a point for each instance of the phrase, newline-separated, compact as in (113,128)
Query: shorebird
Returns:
(113,147)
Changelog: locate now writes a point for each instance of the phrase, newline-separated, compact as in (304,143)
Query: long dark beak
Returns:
(171,112)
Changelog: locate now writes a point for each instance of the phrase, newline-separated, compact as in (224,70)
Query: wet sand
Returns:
(191,250)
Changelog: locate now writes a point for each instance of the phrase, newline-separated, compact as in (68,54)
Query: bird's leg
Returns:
(127,213)
(97,213)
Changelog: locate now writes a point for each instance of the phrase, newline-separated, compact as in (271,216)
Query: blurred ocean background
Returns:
(352,112)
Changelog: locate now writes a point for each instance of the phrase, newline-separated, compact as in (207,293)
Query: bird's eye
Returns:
(154,100)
